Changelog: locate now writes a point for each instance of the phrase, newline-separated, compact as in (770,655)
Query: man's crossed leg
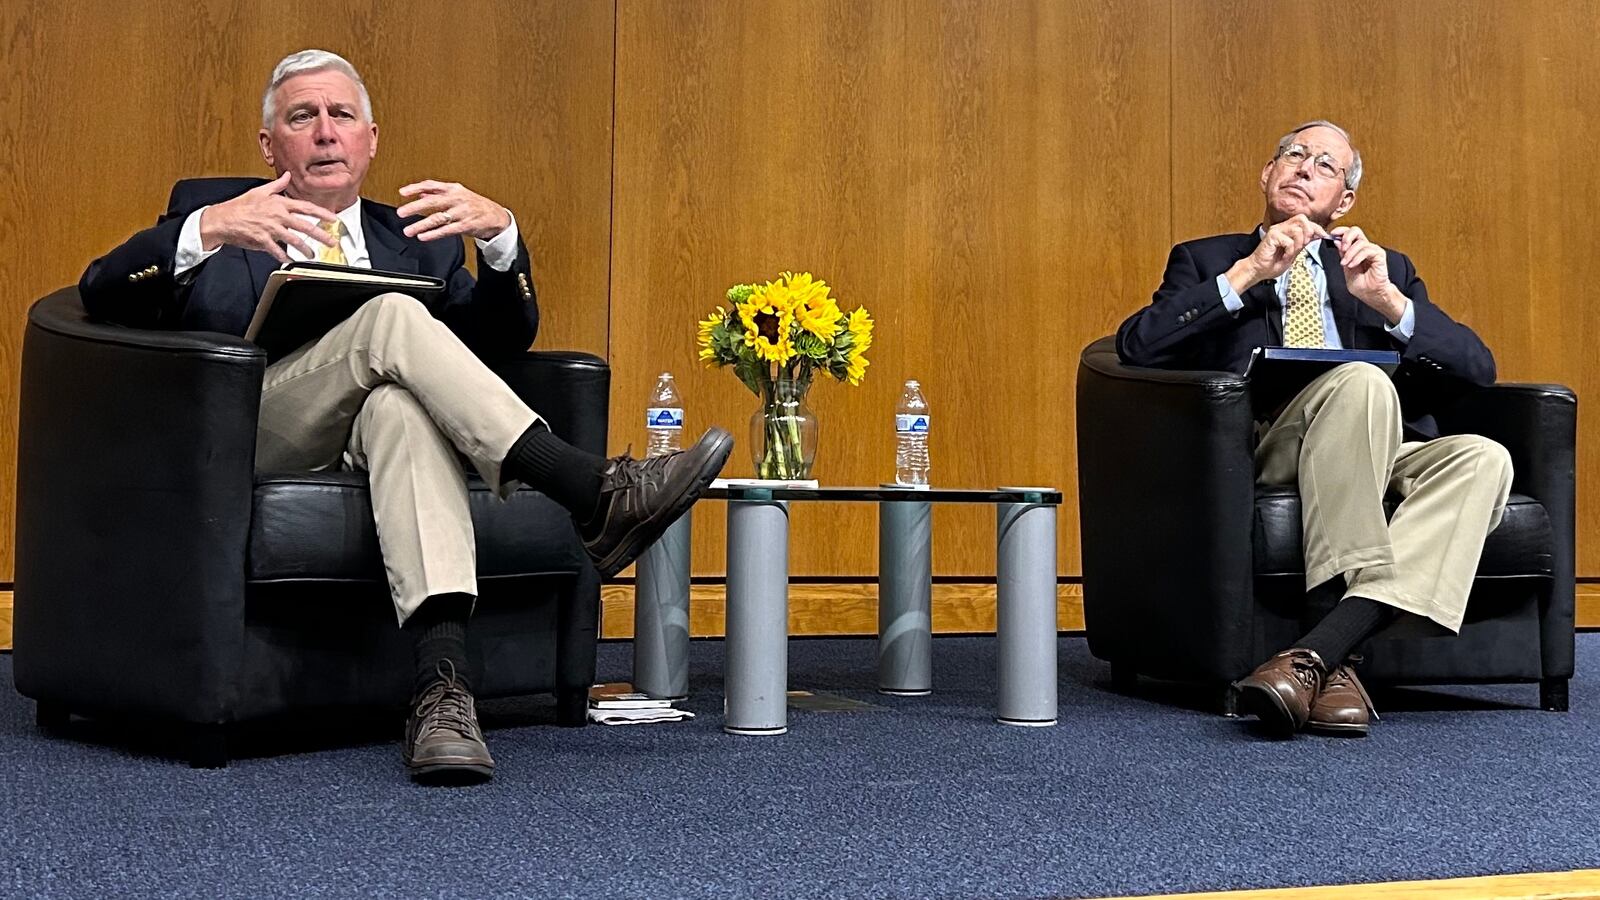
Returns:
(394,392)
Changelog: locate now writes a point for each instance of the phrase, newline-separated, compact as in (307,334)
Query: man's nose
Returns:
(324,131)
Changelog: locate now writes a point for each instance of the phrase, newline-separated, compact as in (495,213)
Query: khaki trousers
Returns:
(1339,440)
(395,393)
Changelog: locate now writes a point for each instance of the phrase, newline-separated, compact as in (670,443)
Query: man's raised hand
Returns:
(1277,250)
(262,218)
(1282,243)
(1366,273)
(447,209)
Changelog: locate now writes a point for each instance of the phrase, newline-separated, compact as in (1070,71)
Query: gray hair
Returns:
(304,62)
(1352,175)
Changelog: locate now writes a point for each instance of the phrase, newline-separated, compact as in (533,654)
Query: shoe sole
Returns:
(1338,730)
(452,771)
(1268,708)
(646,532)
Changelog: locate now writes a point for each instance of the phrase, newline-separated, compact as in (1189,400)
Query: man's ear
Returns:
(1265,171)
(1346,200)
(265,137)
(373,153)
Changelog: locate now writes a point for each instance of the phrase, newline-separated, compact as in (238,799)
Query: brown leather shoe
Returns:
(1280,691)
(640,498)
(444,744)
(1343,707)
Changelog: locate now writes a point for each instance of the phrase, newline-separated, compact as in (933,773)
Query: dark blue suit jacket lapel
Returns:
(388,249)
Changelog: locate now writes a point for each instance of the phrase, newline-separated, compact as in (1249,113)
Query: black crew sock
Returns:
(561,471)
(1352,621)
(440,628)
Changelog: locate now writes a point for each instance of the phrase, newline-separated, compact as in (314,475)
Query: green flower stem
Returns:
(783,457)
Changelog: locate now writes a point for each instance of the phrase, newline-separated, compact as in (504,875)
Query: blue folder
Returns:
(1277,374)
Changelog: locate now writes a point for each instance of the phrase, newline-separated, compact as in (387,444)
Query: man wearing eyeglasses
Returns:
(1353,434)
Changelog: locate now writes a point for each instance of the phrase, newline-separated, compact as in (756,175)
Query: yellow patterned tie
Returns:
(1302,316)
(334,254)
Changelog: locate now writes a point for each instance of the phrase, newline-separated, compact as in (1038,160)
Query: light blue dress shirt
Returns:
(1402,331)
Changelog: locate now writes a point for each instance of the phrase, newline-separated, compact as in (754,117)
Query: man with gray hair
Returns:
(399,388)
(1352,435)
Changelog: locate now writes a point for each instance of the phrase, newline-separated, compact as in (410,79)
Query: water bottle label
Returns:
(663,417)
(915,424)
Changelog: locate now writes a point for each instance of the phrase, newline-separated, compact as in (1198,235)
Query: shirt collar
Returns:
(350,218)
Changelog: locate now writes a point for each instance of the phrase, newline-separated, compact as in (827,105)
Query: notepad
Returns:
(304,300)
(1277,374)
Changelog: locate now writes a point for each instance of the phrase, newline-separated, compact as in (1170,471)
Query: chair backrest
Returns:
(192,193)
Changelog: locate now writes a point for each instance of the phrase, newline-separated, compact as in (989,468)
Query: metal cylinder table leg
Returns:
(1025,612)
(756,677)
(905,598)
(661,615)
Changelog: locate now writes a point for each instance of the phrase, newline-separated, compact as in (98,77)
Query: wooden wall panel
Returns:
(981,176)
(997,182)
(1467,116)
(1560,185)
(106,104)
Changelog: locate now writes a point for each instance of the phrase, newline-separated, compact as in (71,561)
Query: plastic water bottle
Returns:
(664,418)
(911,434)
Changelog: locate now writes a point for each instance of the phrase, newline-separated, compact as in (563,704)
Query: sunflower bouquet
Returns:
(777,336)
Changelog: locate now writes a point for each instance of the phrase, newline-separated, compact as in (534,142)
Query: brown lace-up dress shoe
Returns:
(1343,707)
(1280,691)
(640,498)
(444,744)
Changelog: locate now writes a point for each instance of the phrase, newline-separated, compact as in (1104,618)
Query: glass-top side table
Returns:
(756,665)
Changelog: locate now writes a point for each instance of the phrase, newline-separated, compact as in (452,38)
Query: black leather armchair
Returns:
(159,575)
(1193,573)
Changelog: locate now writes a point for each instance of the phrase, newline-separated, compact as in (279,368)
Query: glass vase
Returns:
(783,432)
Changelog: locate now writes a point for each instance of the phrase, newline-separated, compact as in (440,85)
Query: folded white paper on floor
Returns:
(637,716)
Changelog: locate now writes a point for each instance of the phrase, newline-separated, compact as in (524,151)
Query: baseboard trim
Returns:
(839,609)
(851,609)
(1587,611)
(1582,884)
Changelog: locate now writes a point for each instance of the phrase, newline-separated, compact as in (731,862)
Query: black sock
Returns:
(554,467)
(1354,620)
(440,628)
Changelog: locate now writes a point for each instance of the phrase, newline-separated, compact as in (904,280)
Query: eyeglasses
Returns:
(1322,163)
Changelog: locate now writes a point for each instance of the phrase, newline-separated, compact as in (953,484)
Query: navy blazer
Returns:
(495,315)
(1186,326)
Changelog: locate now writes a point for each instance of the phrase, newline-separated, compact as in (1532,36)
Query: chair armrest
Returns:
(1166,486)
(1538,424)
(135,465)
(569,390)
